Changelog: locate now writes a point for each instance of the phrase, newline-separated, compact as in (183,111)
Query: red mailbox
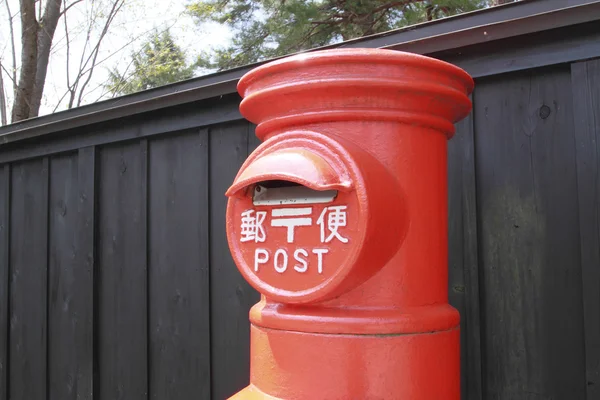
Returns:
(339,220)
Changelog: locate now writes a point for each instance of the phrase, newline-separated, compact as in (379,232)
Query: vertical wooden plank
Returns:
(585,77)
(121,288)
(529,243)
(253,140)
(230,295)
(85,255)
(463,291)
(28,281)
(143,256)
(63,278)
(179,314)
(70,309)
(4,274)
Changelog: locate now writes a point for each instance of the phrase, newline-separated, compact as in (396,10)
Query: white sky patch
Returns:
(131,27)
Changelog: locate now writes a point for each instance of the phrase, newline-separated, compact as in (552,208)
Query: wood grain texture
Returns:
(533,51)
(253,140)
(163,121)
(69,310)
(585,77)
(70,274)
(86,248)
(4,274)
(28,280)
(529,237)
(463,262)
(231,296)
(179,314)
(121,278)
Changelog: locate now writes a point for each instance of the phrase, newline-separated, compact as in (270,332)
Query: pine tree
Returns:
(159,62)
(269,28)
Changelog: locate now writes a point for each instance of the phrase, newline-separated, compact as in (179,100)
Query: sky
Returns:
(133,24)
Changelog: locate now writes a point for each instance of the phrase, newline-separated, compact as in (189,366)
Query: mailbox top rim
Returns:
(354,55)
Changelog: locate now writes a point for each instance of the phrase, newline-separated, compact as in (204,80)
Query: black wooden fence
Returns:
(115,277)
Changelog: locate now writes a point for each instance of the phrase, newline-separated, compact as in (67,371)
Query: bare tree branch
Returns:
(109,19)
(64,11)
(68,42)
(70,88)
(8,73)
(2,99)
(68,91)
(12,43)
(124,77)
(111,16)
(133,40)
(122,80)
(83,52)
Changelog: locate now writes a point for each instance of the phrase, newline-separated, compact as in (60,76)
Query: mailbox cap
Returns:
(297,165)
(355,84)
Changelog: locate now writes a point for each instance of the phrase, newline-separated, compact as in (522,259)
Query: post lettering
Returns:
(261,256)
(319,253)
(302,261)
(280,267)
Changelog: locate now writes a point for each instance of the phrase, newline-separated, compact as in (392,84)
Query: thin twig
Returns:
(8,73)
(112,54)
(70,88)
(111,16)
(3,109)
(63,12)
(87,41)
(123,77)
(61,99)
(93,53)
(14,54)
(67,40)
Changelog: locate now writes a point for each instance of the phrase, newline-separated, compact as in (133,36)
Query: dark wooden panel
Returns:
(191,115)
(121,287)
(586,106)
(4,273)
(28,267)
(70,308)
(230,296)
(85,255)
(253,141)
(463,290)
(179,315)
(528,52)
(529,237)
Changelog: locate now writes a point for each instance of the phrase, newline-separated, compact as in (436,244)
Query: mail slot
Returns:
(301,226)
(339,220)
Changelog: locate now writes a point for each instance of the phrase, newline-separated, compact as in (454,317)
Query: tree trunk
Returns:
(44,43)
(2,99)
(29,28)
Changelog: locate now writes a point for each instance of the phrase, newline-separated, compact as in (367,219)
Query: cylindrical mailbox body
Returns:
(339,219)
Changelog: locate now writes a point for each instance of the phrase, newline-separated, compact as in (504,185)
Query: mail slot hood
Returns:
(312,168)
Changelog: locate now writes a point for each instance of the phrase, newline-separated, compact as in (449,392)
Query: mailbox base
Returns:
(297,365)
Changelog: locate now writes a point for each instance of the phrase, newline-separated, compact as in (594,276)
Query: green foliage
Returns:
(270,28)
(159,62)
